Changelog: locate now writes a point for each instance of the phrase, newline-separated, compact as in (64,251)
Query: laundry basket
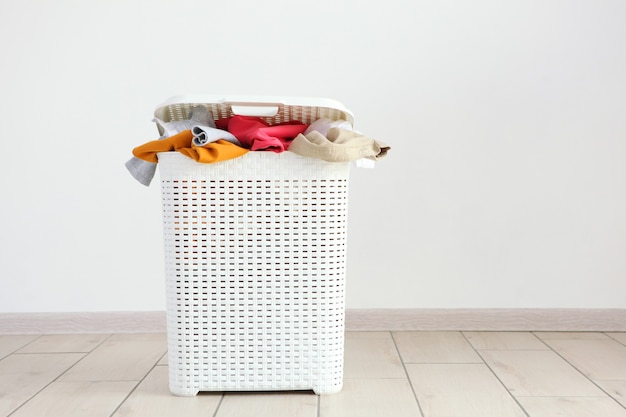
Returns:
(255,259)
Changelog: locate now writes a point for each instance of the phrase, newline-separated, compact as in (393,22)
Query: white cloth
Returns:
(365,163)
(323,125)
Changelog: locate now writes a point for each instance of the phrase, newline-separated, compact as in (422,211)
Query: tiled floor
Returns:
(387,374)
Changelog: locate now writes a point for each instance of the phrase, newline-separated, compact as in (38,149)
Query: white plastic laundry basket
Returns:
(255,256)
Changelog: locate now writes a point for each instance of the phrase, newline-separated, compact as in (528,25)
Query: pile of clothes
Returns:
(207,141)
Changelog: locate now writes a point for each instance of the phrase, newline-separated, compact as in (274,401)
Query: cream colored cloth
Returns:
(338,146)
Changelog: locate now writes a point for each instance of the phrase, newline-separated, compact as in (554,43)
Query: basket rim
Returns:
(233,100)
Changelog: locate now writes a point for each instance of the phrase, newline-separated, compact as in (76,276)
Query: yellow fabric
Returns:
(148,151)
(220,150)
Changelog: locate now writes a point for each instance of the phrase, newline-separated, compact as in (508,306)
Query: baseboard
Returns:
(581,320)
(83,322)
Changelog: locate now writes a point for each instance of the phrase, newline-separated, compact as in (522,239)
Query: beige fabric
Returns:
(338,146)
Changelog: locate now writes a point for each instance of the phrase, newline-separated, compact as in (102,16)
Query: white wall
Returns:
(505,186)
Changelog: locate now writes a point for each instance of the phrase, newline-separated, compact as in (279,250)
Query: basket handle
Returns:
(251,108)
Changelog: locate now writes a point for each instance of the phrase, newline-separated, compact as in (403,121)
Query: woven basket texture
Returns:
(255,260)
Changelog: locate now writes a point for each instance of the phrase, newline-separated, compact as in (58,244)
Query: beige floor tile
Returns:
(64,343)
(571,335)
(371,398)
(435,347)
(549,373)
(152,398)
(123,357)
(538,373)
(461,390)
(505,341)
(571,407)
(77,399)
(620,337)
(11,343)
(368,335)
(596,358)
(22,376)
(270,404)
(615,388)
(371,355)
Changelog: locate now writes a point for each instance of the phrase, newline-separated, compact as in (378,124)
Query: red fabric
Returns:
(257,135)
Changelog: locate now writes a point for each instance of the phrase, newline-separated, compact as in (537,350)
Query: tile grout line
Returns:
(319,405)
(219,405)
(623,344)
(135,387)
(14,352)
(406,373)
(612,338)
(29,343)
(482,359)
(58,376)
(582,373)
